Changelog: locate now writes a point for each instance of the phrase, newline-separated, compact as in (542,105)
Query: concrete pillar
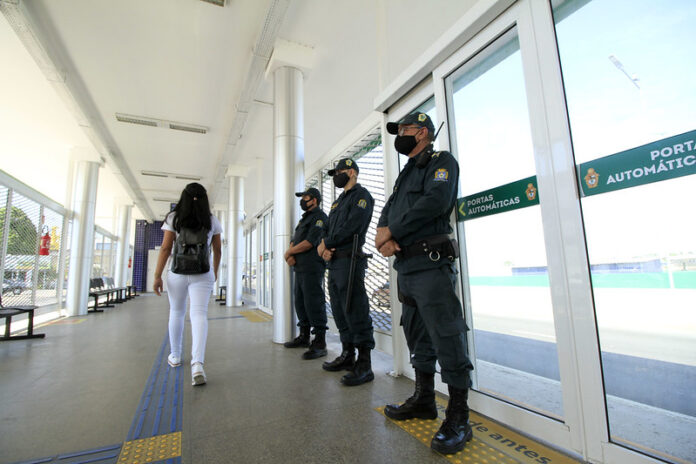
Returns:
(125,218)
(288,178)
(84,202)
(222,271)
(235,239)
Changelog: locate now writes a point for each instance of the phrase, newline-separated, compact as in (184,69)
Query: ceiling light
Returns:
(154,174)
(215,2)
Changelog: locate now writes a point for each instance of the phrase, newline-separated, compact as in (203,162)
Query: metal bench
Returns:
(16,310)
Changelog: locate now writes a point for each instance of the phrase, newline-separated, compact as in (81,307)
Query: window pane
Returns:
(629,83)
(505,256)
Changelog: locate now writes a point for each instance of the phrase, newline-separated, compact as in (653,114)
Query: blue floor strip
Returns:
(104,455)
(162,401)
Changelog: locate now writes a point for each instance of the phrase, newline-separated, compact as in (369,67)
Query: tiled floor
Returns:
(80,389)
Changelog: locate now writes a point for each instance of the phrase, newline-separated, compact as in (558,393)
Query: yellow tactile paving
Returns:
(492,443)
(151,449)
(256,315)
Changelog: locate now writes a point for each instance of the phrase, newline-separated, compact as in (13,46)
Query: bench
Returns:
(120,293)
(96,290)
(11,311)
(222,298)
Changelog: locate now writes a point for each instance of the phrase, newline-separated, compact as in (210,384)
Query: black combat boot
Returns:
(317,348)
(362,372)
(301,340)
(421,405)
(455,430)
(346,360)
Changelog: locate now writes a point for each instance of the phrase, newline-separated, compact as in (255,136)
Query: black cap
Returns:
(312,192)
(418,119)
(345,163)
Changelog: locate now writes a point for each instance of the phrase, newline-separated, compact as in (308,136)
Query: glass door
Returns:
(502,236)
(515,304)
(631,107)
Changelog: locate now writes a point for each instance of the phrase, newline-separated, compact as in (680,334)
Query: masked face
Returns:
(304,205)
(405,144)
(340,180)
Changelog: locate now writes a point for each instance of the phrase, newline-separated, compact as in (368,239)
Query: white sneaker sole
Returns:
(169,361)
(198,379)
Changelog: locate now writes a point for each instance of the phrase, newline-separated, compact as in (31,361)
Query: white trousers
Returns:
(198,288)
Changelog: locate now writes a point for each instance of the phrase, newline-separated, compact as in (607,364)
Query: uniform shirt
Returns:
(311,228)
(350,214)
(421,204)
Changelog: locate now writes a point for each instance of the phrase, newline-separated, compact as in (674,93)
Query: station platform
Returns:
(98,389)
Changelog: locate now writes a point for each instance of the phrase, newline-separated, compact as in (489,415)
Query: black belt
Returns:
(435,247)
(338,254)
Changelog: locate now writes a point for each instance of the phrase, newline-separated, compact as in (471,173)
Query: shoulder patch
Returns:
(436,154)
(319,223)
(362,203)
(334,205)
(441,175)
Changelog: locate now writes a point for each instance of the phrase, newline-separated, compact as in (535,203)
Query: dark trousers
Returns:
(310,302)
(435,329)
(355,326)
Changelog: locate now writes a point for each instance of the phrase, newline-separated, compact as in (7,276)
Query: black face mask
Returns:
(340,180)
(304,205)
(405,144)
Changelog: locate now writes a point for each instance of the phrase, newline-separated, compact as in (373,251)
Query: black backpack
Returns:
(191,252)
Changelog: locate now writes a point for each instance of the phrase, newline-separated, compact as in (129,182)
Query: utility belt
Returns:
(338,254)
(434,247)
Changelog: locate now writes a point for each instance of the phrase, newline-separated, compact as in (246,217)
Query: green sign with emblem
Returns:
(656,161)
(661,160)
(515,195)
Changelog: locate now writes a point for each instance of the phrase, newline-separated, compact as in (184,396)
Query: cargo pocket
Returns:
(452,350)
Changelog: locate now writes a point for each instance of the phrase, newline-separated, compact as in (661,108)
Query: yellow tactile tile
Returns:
(151,449)
(256,315)
(492,443)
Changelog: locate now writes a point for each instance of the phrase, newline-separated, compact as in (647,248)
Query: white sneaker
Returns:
(174,361)
(197,374)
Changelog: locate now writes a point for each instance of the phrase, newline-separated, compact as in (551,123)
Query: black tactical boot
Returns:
(317,348)
(301,340)
(455,430)
(362,372)
(346,360)
(421,405)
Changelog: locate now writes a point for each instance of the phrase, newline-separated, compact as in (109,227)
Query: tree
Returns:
(22,237)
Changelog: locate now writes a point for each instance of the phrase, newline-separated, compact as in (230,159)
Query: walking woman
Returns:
(191,276)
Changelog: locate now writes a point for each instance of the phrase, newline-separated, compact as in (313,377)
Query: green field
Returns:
(682,279)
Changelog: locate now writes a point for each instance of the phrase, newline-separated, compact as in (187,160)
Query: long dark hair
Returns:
(193,210)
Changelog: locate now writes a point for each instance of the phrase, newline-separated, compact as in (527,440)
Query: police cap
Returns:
(416,119)
(345,163)
(312,192)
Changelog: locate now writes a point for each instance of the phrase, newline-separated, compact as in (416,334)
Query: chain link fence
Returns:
(369,154)
(30,250)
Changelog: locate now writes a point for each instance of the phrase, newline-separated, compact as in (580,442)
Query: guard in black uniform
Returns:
(415,226)
(310,302)
(350,215)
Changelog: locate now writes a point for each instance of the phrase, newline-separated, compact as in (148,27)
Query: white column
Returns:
(84,202)
(222,271)
(125,218)
(288,178)
(235,239)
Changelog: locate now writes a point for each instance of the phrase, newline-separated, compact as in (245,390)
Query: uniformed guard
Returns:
(310,302)
(415,226)
(349,220)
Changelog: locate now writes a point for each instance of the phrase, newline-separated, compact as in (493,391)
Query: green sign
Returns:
(515,195)
(661,160)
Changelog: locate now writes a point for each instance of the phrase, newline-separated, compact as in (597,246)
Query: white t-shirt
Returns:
(215,227)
